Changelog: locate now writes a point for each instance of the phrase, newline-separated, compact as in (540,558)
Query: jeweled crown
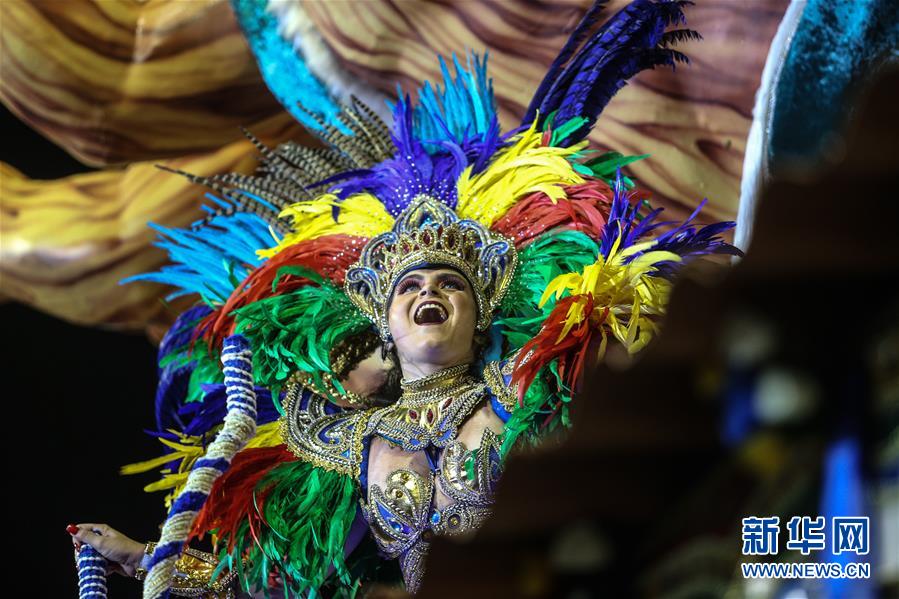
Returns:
(429,233)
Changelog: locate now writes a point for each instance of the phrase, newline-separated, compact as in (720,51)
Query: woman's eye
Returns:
(407,286)
(453,284)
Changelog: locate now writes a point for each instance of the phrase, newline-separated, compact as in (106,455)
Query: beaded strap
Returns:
(239,427)
(91,574)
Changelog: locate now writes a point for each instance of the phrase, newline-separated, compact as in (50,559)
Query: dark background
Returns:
(77,399)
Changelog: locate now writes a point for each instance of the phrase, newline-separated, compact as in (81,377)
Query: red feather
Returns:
(571,351)
(231,499)
(585,208)
(328,255)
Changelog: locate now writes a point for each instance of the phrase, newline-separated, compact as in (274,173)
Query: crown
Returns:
(429,233)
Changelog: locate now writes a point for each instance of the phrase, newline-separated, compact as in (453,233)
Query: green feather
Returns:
(550,255)
(296,331)
(606,165)
(307,513)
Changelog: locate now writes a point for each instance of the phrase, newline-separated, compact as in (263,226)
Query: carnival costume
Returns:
(561,252)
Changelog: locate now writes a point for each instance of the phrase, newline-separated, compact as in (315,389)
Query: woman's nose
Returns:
(427,289)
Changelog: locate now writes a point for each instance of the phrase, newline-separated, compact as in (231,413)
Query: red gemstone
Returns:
(430,415)
(413,414)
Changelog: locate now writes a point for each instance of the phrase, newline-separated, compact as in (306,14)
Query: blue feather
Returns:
(174,375)
(212,257)
(463,107)
(454,125)
(284,69)
(202,417)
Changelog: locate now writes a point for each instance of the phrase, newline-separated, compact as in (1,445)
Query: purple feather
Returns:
(686,239)
(414,170)
(581,83)
(202,417)
(174,376)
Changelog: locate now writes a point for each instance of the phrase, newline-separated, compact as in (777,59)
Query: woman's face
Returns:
(432,317)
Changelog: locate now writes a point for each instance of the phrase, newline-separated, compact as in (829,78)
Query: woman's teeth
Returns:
(430,313)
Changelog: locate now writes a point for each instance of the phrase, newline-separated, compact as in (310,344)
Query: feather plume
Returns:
(232,498)
(211,259)
(296,331)
(361,215)
(173,387)
(584,208)
(550,255)
(627,226)
(297,529)
(581,81)
(462,108)
(615,296)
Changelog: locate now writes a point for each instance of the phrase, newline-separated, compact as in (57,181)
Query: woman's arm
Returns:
(193,571)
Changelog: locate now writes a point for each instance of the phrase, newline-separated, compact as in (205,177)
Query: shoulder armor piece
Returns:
(329,439)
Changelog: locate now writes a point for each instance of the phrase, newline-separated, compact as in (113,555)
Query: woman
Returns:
(484,268)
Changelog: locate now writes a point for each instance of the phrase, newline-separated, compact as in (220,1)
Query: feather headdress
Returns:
(282,259)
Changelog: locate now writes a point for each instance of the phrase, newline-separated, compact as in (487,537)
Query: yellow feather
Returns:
(267,435)
(574,317)
(559,285)
(362,215)
(630,292)
(189,450)
(524,167)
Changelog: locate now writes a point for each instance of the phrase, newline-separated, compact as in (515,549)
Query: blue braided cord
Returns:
(164,551)
(284,69)
(91,574)
(237,368)
(240,396)
(188,501)
(235,343)
(240,383)
(220,464)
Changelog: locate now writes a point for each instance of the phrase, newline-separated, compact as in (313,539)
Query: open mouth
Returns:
(430,313)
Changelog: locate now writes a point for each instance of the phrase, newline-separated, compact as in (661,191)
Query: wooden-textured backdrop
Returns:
(122,85)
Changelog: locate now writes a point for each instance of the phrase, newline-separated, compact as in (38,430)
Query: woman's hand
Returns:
(123,554)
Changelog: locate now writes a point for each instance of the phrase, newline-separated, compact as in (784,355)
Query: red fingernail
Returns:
(72,529)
